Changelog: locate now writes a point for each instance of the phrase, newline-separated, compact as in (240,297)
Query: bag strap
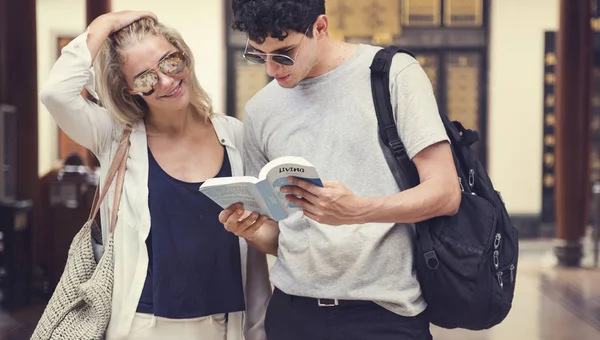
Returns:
(117,166)
(380,80)
(388,131)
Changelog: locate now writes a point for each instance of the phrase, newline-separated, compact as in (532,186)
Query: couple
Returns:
(187,269)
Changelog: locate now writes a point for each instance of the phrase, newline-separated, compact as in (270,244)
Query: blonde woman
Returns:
(178,273)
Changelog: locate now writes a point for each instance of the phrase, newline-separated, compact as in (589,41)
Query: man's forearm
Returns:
(266,239)
(427,200)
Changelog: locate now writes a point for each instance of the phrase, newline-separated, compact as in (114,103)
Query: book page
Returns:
(271,200)
(218,181)
(227,195)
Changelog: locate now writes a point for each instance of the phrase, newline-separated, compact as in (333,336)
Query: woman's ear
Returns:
(133,93)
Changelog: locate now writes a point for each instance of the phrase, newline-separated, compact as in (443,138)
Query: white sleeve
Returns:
(85,122)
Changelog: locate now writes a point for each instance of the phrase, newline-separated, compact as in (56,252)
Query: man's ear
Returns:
(321,25)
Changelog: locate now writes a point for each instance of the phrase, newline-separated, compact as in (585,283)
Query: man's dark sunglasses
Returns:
(282,59)
(261,58)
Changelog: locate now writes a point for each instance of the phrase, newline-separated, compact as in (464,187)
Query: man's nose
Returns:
(272,67)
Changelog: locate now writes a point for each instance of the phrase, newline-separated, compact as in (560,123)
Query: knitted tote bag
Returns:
(80,306)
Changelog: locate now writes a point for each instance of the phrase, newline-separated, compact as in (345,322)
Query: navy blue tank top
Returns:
(194,267)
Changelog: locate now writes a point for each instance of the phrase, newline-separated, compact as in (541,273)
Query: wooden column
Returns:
(95,8)
(3,49)
(18,89)
(573,90)
(20,82)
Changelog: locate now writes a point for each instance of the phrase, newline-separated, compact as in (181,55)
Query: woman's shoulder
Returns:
(229,125)
(226,119)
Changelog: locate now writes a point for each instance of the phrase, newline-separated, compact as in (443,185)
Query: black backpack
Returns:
(467,263)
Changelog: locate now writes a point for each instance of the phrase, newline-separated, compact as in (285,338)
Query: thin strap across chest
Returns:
(118,166)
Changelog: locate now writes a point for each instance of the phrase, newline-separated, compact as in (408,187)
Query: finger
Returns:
(254,227)
(224,215)
(308,186)
(297,191)
(249,225)
(233,220)
(139,16)
(248,221)
(245,214)
(250,232)
(302,203)
(133,16)
(148,14)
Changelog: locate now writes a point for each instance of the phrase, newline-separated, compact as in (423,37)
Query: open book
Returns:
(262,194)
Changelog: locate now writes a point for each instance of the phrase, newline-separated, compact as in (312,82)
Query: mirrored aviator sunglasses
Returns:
(261,58)
(171,65)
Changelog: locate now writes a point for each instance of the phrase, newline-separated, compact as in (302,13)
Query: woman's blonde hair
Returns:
(112,87)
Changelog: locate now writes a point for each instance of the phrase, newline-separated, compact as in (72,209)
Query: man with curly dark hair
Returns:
(345,264)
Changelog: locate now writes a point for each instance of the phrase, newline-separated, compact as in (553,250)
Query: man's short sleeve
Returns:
(254,157)
(414,105)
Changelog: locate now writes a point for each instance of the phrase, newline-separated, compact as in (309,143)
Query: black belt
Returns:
(322,302)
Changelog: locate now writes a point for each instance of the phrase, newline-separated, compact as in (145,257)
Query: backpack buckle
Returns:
(397,146)
(431,259)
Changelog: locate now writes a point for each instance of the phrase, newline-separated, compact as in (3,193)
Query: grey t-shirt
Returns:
(330,121)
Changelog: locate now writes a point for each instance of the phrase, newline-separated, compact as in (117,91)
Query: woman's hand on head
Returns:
(108,23)
(117,20)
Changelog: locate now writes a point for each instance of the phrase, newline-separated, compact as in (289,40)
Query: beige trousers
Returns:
(149,327)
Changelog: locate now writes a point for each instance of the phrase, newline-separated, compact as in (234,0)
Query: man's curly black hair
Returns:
(275,18)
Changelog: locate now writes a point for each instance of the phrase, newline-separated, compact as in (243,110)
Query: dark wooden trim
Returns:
(3,49)
(230,52)
(231,76)
(228,62)
(22,58)
(95,8)
(19,83)
(573,82)
(483,108)
(548,209)
(484,81)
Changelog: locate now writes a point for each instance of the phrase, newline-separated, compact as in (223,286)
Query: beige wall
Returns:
(200,22)
(516,99)
(515,78)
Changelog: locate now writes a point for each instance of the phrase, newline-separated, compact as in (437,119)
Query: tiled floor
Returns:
(549,304)
(19,325)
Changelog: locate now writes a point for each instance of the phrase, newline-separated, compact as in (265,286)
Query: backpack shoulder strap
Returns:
(380,80)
